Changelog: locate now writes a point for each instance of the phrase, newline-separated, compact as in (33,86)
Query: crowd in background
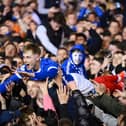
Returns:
(55,27)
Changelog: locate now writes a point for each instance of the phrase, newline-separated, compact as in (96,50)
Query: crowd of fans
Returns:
(62,63)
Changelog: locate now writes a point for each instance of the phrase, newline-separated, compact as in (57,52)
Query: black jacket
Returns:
(84,116)
(94,43)
(109,105)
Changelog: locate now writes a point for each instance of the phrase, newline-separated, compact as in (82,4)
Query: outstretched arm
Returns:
(42,35)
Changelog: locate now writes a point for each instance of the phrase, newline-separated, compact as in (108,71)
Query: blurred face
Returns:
(9,23)
(95,67)
(118,38)
(71,19)
(77,57)
(91,17)
(119,18)
(33,5)
(35,120)
(27,19)
(6,2)
(61,55)
(117,58)
(10,50)
(80,40)
(55,25)
(113,48)
(21,46)
(124,34)
(30,59)
(80,27)
(32,89)
(114,28)
(33,26)
(87,63)
(106,41)
(72,37)
(16,9)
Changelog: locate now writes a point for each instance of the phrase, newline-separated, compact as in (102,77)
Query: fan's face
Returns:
(77,57)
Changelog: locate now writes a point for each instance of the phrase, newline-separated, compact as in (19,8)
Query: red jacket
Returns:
(111,82)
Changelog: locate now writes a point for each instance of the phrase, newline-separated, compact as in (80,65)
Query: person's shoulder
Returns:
(67,78)
(41,27)
(65,62)
(48,61)
(64,65)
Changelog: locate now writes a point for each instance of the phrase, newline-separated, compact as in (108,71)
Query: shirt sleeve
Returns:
(41,8)
(42,35)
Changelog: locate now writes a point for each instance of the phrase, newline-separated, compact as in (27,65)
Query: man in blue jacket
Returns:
(35,67)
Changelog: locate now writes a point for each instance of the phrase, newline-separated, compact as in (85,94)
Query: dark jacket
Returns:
(94,43)
(109,105)
(84,116)
(56,36)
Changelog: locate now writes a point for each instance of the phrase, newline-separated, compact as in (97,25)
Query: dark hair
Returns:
(51,118)
(68,42)
(33,47)
(118,44)
(92,13)
(63,48)
(65,121)
(115,22)
(99,59)
(24,117)
(114,42)
(59,18)
(10,43)
(106,33)
(81,35)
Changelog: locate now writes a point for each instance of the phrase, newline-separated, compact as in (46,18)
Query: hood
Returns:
(79,47)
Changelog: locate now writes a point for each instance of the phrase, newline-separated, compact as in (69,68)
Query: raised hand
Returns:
(118,93)
(26,74)
(99,88)
(63,94)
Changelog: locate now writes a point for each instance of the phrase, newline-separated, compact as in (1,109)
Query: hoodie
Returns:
(68,65)
(77,72)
